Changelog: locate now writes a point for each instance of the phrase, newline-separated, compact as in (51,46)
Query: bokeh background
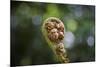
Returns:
(28,46)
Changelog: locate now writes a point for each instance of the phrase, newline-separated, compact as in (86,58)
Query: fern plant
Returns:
(53,32)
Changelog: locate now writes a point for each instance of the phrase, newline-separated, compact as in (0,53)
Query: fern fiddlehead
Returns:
(53,31)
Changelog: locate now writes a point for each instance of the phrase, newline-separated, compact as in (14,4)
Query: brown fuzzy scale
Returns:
(61,52)
(55,31)
(61,35)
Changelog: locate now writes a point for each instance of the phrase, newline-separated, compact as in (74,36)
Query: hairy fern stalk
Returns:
(53,31)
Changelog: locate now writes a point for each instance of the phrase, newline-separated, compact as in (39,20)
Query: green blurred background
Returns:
(28,46)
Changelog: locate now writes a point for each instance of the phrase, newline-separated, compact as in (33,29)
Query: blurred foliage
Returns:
(71,25)
(28,46)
